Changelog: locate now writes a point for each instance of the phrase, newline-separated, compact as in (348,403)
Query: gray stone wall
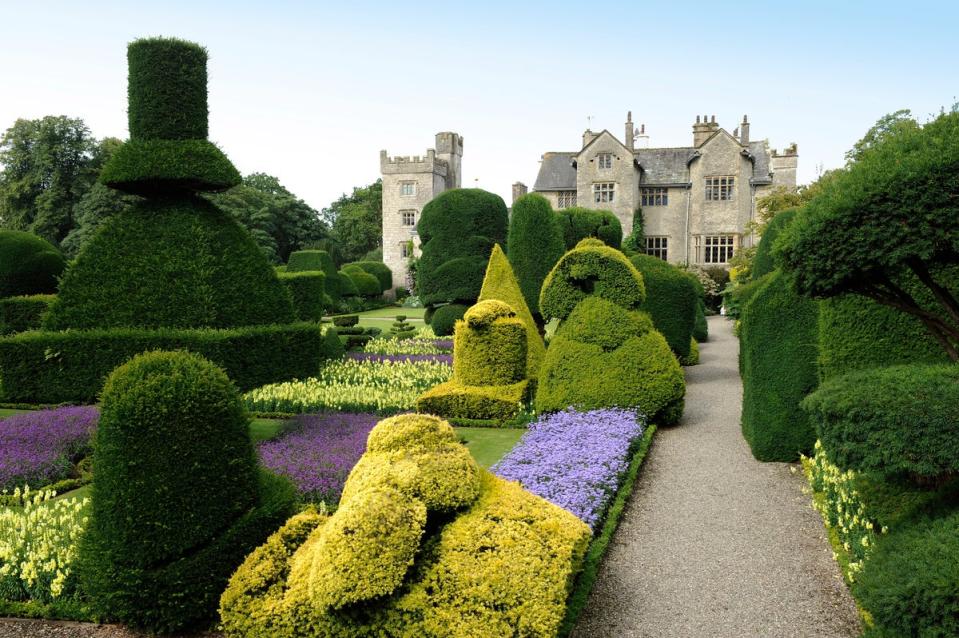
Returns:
(622,173)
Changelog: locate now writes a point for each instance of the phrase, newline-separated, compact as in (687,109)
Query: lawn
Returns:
(264,429)
(488,445)
(4,412)
(384,317)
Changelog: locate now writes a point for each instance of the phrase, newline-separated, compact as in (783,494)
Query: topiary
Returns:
(29,265)
(577,224)
(163,412)
(535,245)
(19,314)
(401,329)
(379,270)
(366,284)
(693,358)
(308,292)
(444,318)
(778,366)
(763,262)
(898,421)
(701,326)
(312,260)
(458,229)
(499,283)
(671,301)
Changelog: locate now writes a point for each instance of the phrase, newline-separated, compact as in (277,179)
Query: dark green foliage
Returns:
(778,342)
(535,245)
(591,268)
(99,204)
(69,367)
(366,284)
(166,90)
(909,584)
(857,333)
(307,289)
(345,321)
(671,301)
(18,314)
(458,230)
(700,326)
(306,260)
(899,421)
(445,317)
(379,270)
(347,287)
(28,265)
(737,298)
(763,262)
(401,329)
(146,557)
(577,224)
(151,167)
(356,222)
(170,263)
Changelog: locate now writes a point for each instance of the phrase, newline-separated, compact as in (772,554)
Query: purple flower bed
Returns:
(39,448)
(373,356)
(319,454)
(443,344)
(575,459)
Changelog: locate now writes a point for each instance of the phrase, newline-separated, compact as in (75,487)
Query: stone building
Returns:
(696,200)
(409,183)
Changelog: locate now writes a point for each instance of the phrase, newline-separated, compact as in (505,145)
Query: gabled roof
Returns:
(556,172)
(599,135)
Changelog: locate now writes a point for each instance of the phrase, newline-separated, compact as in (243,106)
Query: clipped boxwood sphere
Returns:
(443,319)
(671,301)
(29,265)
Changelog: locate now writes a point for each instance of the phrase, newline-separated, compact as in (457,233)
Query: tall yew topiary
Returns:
(29,265)
(671,301)
(763,262)
(535,245)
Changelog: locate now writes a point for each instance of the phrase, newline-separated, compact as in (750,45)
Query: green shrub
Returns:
(144,559)
(454,400)
(701,326)
(763,262)
(70,366)
(671,301)
(458,230)
(591,269)
(18,314)
(307,290)
(692,359)
(778,345)
(170,263)
(445,317)
(604,356)
(347,287)
(899,421)
(909,584)
(379,270)
(535,244)
(402,329)
(29,265)
(500,284)
(346,321)
(577,224)
(310,260)
(366,284)
(739,297)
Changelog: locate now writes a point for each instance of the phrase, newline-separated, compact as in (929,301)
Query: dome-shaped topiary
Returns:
(29,265)
(177,499)
(671,301)
(366,284)
(444,318)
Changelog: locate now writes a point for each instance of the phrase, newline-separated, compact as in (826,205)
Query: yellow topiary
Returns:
(491,402)
(489,346)
(408,431)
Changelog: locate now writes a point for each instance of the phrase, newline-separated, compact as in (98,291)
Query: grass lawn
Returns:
(384,317)
(488,445)
(264,429)
(5,412)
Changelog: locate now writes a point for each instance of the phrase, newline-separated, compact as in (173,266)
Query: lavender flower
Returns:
(443,344)
(373,356)
(575,459)
(39,448)
(319,454)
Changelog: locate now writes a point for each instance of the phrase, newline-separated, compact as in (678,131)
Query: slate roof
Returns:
(761,165)
(664,165)
(556,172)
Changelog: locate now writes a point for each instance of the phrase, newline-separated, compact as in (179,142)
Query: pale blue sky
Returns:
(311,91)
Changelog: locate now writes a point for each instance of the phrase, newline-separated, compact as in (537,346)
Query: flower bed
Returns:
(404,346)
(319,454)
(377,357)
(382,387)
(575,459)
(38,448)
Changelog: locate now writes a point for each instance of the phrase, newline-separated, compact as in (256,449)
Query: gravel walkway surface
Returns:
(714,543)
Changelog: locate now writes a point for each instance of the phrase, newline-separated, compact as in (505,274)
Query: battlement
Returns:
(449,143)
(790,151)
(412,163)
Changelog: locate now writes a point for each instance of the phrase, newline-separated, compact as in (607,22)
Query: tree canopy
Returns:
(357,221)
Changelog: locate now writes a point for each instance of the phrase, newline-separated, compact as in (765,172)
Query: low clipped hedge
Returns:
(494,403)
(71,366)
(692,359)
(445,317)
(671,301)
(18,314)
(29,265)
(778,345)
(898,421)
(307,289)
(577,224)
(378,269)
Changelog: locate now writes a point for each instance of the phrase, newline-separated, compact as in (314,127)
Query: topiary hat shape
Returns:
(168,151)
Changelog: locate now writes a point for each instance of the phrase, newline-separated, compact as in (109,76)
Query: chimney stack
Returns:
(519,189)
(589,136)
(703,130)
(744,132)
(630,131)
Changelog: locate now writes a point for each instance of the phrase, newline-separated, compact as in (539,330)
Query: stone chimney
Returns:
(703,130)
(744,132)
(589,136)
(630,131)
(519,189)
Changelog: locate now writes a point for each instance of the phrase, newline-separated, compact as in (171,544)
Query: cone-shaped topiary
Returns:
(29,265)
(177,496)
(535,245)
(671,301)
(500,283)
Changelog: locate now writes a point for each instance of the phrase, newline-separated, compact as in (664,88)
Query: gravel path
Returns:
(713,542)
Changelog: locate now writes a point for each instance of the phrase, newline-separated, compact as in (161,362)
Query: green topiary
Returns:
(535,245)
(899,421)
(347,287)
(401,329)
(692,359)
(591,269)
(701,326)
(500,284)
(379,270)
(763,262)
(671,301)
(366,284)
(307,290)
(310,260)
(445,317)
(163,412)
(778,359)
(170,263)
(29,265)
(18,314)
(577,224)
(458,230)
(909,584)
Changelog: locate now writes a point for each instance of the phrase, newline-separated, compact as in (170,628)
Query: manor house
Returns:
(695,200)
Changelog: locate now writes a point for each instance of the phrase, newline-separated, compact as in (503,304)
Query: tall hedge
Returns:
(379,270)
(366,284)
(671,301)
(175,479)
(778,342)
(763,262)
(312,260)
(535,245)
(29,265)
(308,292)
(579,223)
(458,230)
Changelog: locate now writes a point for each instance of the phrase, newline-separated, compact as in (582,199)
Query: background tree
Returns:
(357,221)
(534,246)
